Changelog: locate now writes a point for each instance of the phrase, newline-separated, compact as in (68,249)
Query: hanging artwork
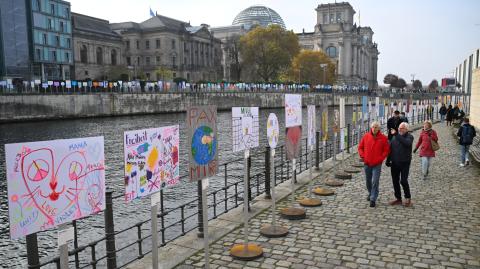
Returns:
(293,110)
(342,113)
(325,123)
(245,128)
(151,160)
(311,126)
(202,142)
(364,108)
(272,130)
(54,182)
(293,143)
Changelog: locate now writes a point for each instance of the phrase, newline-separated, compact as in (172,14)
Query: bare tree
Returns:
(232,48)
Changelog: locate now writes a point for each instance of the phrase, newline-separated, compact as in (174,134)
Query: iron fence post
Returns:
(200,210)
(267,173)
(32,251)
(317,151)
(110,231)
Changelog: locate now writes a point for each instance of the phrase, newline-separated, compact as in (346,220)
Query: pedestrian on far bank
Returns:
(466,133)
(373,149)
(450,115)
(425,144)
(399,161)
(442,112)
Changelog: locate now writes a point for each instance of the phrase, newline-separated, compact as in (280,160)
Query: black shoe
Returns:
(368,198)
(372,204)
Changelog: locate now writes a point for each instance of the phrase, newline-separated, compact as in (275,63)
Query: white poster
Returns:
(377,107)
(54,182)
(293,110)
(342,112)
(311,126)
(245,128)
(272,130)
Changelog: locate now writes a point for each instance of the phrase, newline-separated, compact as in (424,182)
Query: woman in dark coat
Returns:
(450,114)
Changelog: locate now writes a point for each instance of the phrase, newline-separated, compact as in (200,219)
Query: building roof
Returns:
(258,15)
(331,5)
(155,22)
(94,25)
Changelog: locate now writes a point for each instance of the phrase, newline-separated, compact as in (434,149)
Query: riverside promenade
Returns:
(441,230)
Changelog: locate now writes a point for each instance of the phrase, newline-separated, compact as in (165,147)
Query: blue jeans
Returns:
(464,155)
(442,117)
(426,165)
(372,176)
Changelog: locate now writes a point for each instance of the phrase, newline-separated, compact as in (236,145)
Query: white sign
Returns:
(245,128)
(293,110)
(272,130)
(311,126)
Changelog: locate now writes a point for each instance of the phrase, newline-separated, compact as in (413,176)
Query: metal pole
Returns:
(348,137)
(110,231)
(205,221)
(294,167)
(317,151)
(245,197)
(272,152)
(155,199)
(310,189)
(200,209)
(32,251)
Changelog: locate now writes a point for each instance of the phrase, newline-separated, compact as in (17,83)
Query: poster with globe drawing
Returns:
(202,142)
(53,182)
(151,160)
(245,128)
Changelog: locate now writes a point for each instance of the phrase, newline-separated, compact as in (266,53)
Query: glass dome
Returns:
(258,15)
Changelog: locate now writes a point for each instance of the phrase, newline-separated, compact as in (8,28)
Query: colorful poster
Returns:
(245,128)
(377,108)
(342,139)
(54,182)
(151,160)
(293,143)
(336,123)
(293,110)
(272,130)
(311,126)
(364,107)
(202,142)
(354,114)
(325,123)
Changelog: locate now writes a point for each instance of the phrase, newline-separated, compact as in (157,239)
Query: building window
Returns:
(339,17)
(50,24)
(67,12)
(61,27)
(138,44)
(52,9)
(185,60)
(157,43)
(147,44)
(99,55)
(127,44)
(325,18)
(83,54)
(38,54)
(57,41)
(54,56)
(113,57)
(147,60)
(185,46)
(45,42)
(138,60)
(67,57)
(173,44)
(331,52)
(38,5)
(86,73)
(158,60)
(68,43)
(174,60)
(332,18)
(129,61)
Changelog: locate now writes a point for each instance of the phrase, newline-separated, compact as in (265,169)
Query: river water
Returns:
(125,215)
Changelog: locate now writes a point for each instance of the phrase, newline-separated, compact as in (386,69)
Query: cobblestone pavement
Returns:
(441,230)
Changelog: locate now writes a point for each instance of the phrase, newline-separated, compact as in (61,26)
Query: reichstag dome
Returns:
(258,15)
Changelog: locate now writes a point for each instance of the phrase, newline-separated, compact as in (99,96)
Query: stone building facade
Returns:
(188,51)
(98,50)
(349,46)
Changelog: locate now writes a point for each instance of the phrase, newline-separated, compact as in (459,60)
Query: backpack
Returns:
(467,136)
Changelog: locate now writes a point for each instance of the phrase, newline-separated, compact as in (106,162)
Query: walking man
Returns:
(466,133)
(393,123)
(443,112)
(373,149)
(399,160)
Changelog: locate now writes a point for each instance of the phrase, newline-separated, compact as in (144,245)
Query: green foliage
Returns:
(307,68)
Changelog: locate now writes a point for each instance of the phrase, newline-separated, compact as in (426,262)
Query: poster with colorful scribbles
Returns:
(202,142)
(151,160)
(54,182)
(293,110)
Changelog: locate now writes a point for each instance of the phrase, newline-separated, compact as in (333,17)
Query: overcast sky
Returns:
(428,38)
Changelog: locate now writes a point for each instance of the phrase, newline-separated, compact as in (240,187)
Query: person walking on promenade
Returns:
(450,114)
(442,112)
(403,118)
(425,144)
(399,161)
(466,133)
(393,123)
(373,149)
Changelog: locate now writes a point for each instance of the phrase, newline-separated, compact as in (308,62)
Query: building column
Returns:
(355,63)
(341,59)
(348,58)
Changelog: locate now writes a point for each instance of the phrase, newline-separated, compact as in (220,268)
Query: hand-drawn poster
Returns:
(354,114)
(293,142)
(342,139)
(272,130)
(151,160)
(311,126)
(54,182)
(364,108)
(336,127)
(342,112)
(325,123)
(202,142)
(293,110)
(245,128)
(377,108)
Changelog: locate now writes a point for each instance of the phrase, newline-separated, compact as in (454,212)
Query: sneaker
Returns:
(408,202)
(368,197)
(467,162)
(372,204)
(395,202)
(462,165)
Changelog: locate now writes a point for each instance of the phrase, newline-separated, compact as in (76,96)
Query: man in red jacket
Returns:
(373,149)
